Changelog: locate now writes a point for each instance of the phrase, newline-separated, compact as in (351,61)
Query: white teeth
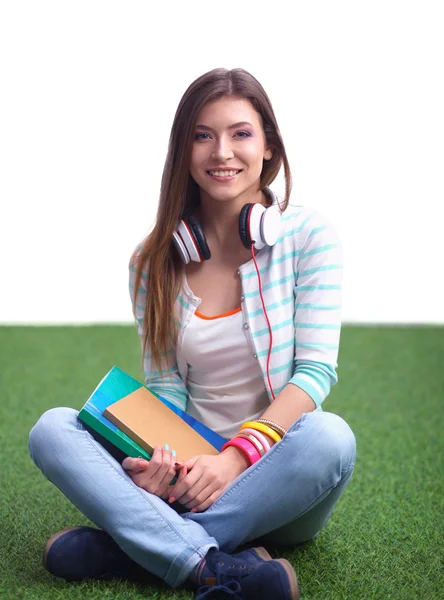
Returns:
(223,173)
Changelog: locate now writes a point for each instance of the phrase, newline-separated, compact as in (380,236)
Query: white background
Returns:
(88,94)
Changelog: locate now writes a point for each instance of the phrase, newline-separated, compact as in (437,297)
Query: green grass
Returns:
(385,538)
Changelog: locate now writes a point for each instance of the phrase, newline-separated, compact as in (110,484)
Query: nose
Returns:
(222,151)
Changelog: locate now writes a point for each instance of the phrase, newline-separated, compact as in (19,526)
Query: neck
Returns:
(220,220)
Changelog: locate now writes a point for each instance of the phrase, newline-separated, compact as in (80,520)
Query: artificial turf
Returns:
(385,538)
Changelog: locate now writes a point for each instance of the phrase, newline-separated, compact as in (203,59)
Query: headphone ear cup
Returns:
(243,225)
(271,225)
(186,243)
(180,247)
(199,237)
(250,225)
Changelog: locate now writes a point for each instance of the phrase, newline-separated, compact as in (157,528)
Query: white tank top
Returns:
(225,382)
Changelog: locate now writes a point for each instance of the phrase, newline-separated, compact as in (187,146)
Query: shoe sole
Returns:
(292,579)
(52,539)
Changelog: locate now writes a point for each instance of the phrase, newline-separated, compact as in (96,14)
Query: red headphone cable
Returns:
(268,322)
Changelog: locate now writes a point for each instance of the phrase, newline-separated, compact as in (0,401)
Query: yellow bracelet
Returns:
(264,429)
(277,428)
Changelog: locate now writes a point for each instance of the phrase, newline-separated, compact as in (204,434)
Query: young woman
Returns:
(237,295)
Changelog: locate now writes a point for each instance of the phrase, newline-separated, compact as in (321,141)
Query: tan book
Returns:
(149,422)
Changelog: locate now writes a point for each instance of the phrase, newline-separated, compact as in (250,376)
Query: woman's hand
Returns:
(155,475)
(208,477)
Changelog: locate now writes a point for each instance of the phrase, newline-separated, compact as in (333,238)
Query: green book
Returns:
(113,387)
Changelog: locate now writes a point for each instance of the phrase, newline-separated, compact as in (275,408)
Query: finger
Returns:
(155,462)
(128,463)
(201,496)
(170,476)
(136,471)
(208,502)
(200,492)
(181,489)
(182,474)
(143,464)
(175,490)
(152,478)
(177,463)
(134,464)
(194,492)
(176,477)
(165,471)
(173,452)
(191,462)
(169,482)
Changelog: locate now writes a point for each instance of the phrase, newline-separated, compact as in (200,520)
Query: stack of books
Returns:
(135,420)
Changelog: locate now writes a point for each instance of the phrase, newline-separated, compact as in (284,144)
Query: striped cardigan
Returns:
(301,285)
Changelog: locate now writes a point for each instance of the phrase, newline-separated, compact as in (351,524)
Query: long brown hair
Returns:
(179,193)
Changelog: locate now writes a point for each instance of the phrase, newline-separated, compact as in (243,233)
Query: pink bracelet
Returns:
(265,443)
(246,446)
(253,440)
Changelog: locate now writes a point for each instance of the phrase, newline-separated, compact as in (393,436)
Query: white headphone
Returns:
(258,226)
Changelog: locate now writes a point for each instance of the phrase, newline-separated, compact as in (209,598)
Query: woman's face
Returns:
(228,136)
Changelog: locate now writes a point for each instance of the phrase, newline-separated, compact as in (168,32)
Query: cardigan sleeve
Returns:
(318,306)
(168,382)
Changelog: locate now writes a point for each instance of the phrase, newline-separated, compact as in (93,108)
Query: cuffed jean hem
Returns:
(184,564)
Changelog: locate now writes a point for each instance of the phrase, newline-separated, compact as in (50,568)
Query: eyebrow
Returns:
(240,124)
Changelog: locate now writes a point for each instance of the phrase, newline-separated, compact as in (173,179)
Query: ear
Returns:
(268,154)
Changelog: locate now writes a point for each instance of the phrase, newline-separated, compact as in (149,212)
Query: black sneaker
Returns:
(86,553)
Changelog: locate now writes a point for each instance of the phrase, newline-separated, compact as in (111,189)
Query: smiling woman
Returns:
(237,297)
(228,150)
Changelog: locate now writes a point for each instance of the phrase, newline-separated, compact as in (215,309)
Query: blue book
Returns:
(114,386)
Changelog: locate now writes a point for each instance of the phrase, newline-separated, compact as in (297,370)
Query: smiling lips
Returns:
(224,174)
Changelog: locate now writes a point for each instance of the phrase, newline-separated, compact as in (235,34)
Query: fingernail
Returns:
(193,510)
(171,500)
(173,452)
(166,447)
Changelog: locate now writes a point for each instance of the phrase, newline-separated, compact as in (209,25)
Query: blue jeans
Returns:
(286,497)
